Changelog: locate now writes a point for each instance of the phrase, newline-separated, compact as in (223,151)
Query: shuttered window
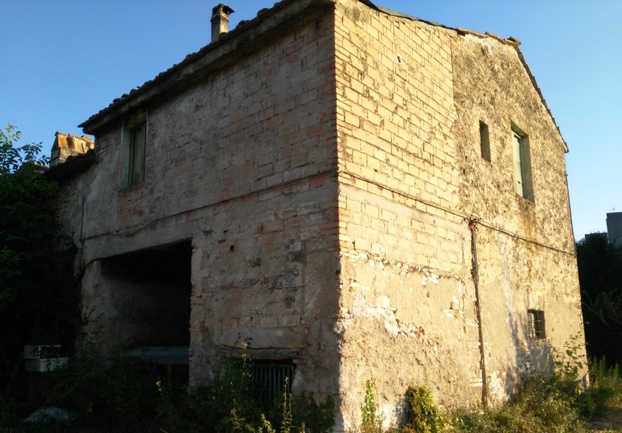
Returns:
(522,164)
(484,140)
(138,140)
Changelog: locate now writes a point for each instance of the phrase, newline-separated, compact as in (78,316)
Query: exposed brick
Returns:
(326,188)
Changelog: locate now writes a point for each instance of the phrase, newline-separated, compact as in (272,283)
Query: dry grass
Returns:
(611,420)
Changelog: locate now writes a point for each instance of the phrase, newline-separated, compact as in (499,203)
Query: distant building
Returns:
(360,194)
(614,229)
(67,145)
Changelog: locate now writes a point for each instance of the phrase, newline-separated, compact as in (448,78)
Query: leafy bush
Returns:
(550,401)
(605,388)
(316,417)
(543,404)
(227,404)
(125,397)
(220,405)
(423,415)
(39,300)
(116,395)
(122,396)
(371,423)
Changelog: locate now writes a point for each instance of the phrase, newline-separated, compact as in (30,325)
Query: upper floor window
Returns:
(136,147)
(522,163)
(484,140)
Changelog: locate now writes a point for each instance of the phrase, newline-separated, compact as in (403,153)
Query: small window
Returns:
(536,325)
(484,140)
(137,144)
(273,378)
(522,164)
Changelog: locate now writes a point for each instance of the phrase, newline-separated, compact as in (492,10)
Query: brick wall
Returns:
(410,99)
(243,165)
(329,182)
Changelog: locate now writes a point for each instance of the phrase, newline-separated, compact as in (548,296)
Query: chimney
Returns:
(220,20)
(67,145)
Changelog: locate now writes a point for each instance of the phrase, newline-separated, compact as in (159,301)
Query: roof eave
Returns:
(535,85)
(509,41)
(212,58)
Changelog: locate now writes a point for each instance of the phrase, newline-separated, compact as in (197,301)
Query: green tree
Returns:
(38,302)
(600,277)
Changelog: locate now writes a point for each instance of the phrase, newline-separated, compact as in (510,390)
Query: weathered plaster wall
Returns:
(241,164)
(492,85)
(407,301)
(525,248)
(410,98)
(326,181)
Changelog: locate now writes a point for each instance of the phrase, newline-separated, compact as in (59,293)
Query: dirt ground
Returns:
(611,421)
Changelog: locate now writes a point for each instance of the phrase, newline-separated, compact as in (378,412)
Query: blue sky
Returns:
(64,60)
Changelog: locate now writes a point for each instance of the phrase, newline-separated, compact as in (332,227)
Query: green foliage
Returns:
(124,397)
(222,404)
(551,403)
(549,399)
(39,301)
(226,403)
(603,315)
(315,417)
(27,221)
(599,265)
(569,363)
(120,396)
(542,404)
(605,387)
(286,410)
(600,276)
(605,377)
(370,422)
(423,415)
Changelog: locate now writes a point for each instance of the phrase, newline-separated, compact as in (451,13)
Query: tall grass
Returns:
(124,398)
(543,404)
(554,404)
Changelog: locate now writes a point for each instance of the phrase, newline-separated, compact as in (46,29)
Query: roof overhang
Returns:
(246,38)
(230,47)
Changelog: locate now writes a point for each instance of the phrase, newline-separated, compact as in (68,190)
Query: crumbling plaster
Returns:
(413,188)
(241,166)
(326,169)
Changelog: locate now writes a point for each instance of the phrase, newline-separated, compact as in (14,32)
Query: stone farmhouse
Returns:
(358,194)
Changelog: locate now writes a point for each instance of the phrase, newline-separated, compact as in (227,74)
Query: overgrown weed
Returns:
(542,404)
(423,414)
(370,420)
(605,388)
(552,404)
(123,396)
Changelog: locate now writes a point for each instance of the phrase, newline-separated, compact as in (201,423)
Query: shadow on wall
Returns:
(532,352)
(150,296)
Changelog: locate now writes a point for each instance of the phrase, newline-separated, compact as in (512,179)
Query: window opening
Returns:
(138,139)
(150,290)
(272,379)
(522,164)
(536,325)
(484,140)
